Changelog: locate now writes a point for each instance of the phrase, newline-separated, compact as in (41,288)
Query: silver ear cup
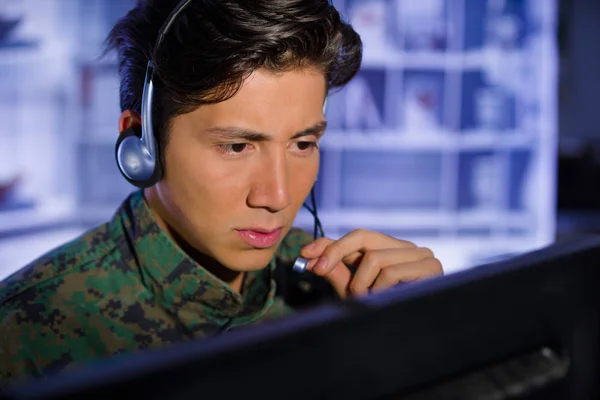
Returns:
(135,161)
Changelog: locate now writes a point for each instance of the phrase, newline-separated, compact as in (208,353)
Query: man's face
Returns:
(237,172)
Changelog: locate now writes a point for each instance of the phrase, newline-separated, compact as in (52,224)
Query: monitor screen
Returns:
(520,328)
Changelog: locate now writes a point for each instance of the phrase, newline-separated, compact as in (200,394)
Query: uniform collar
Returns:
(178,282)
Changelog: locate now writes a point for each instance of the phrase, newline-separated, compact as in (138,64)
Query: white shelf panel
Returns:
(17,252)
(91,59)
(47,212)
(458,254)
(40,53)
(95,214)
(431,140)
(15,57)
(106,136)
(383,220)
(424,60)
(387,140)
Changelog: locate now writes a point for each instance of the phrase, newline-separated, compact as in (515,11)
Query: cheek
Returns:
(194,166)
(198,182)
(303,178)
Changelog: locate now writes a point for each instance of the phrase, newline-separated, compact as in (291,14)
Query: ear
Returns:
(129,119)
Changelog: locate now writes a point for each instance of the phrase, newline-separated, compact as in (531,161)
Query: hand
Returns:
(382,262)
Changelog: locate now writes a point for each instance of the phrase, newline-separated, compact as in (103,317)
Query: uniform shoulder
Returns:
(76,255)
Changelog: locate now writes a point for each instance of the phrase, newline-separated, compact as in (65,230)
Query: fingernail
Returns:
(311,264)
(321,265)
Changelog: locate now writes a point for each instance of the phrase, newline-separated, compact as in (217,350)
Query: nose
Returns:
(271,186)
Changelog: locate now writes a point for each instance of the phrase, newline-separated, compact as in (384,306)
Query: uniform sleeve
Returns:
(17,363)
(34,350)
(43,335)
(25,353)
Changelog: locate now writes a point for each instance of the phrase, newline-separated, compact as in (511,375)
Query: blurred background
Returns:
(471,127)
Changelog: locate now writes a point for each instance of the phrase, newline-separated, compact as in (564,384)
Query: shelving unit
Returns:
(469,123)
(47,213)
(32,106)
(440,140)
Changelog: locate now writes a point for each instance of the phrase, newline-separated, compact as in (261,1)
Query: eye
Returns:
(237,147)
(305,146)
(234,148)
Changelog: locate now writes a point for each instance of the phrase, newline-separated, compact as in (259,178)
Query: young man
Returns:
(237,114)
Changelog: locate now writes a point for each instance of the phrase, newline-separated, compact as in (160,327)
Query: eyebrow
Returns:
(236,133)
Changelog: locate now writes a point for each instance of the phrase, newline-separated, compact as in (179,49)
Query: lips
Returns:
(260,238)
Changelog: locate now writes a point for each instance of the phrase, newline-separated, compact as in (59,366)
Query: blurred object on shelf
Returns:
(9,197)
(10,174)
(424,25)
(7,190)
(368,18)
(422,102)
(7,27)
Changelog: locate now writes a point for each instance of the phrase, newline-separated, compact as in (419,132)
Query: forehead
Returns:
(270,102)
(296,81)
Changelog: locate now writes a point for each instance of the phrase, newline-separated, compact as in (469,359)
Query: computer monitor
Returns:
(521,328)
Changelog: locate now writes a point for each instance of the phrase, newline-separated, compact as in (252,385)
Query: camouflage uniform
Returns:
(126,286)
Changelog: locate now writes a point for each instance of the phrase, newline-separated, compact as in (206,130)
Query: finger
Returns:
(355,243)
(407,272)
(315,249)
(340,278)
(374,261)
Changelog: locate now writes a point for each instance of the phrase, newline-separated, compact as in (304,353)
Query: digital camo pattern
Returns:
(122,287)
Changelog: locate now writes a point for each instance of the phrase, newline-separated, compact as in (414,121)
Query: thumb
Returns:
(339,277)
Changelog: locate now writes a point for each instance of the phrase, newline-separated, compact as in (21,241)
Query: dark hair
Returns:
(215,44)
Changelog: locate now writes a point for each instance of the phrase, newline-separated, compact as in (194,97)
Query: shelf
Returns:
(481,139)
(106,136)
(17,46)
(54,211)
(411,219)
(31,52)
(386,140)
(458,254)
(426,60)
(383,140)
(89,215)
(93,60)
(17,252)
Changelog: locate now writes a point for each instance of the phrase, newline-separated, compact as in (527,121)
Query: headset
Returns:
(136,150)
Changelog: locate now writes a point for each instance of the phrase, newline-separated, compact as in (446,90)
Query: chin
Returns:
(252,260)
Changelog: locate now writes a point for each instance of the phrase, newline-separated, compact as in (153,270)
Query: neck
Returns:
(233,279)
